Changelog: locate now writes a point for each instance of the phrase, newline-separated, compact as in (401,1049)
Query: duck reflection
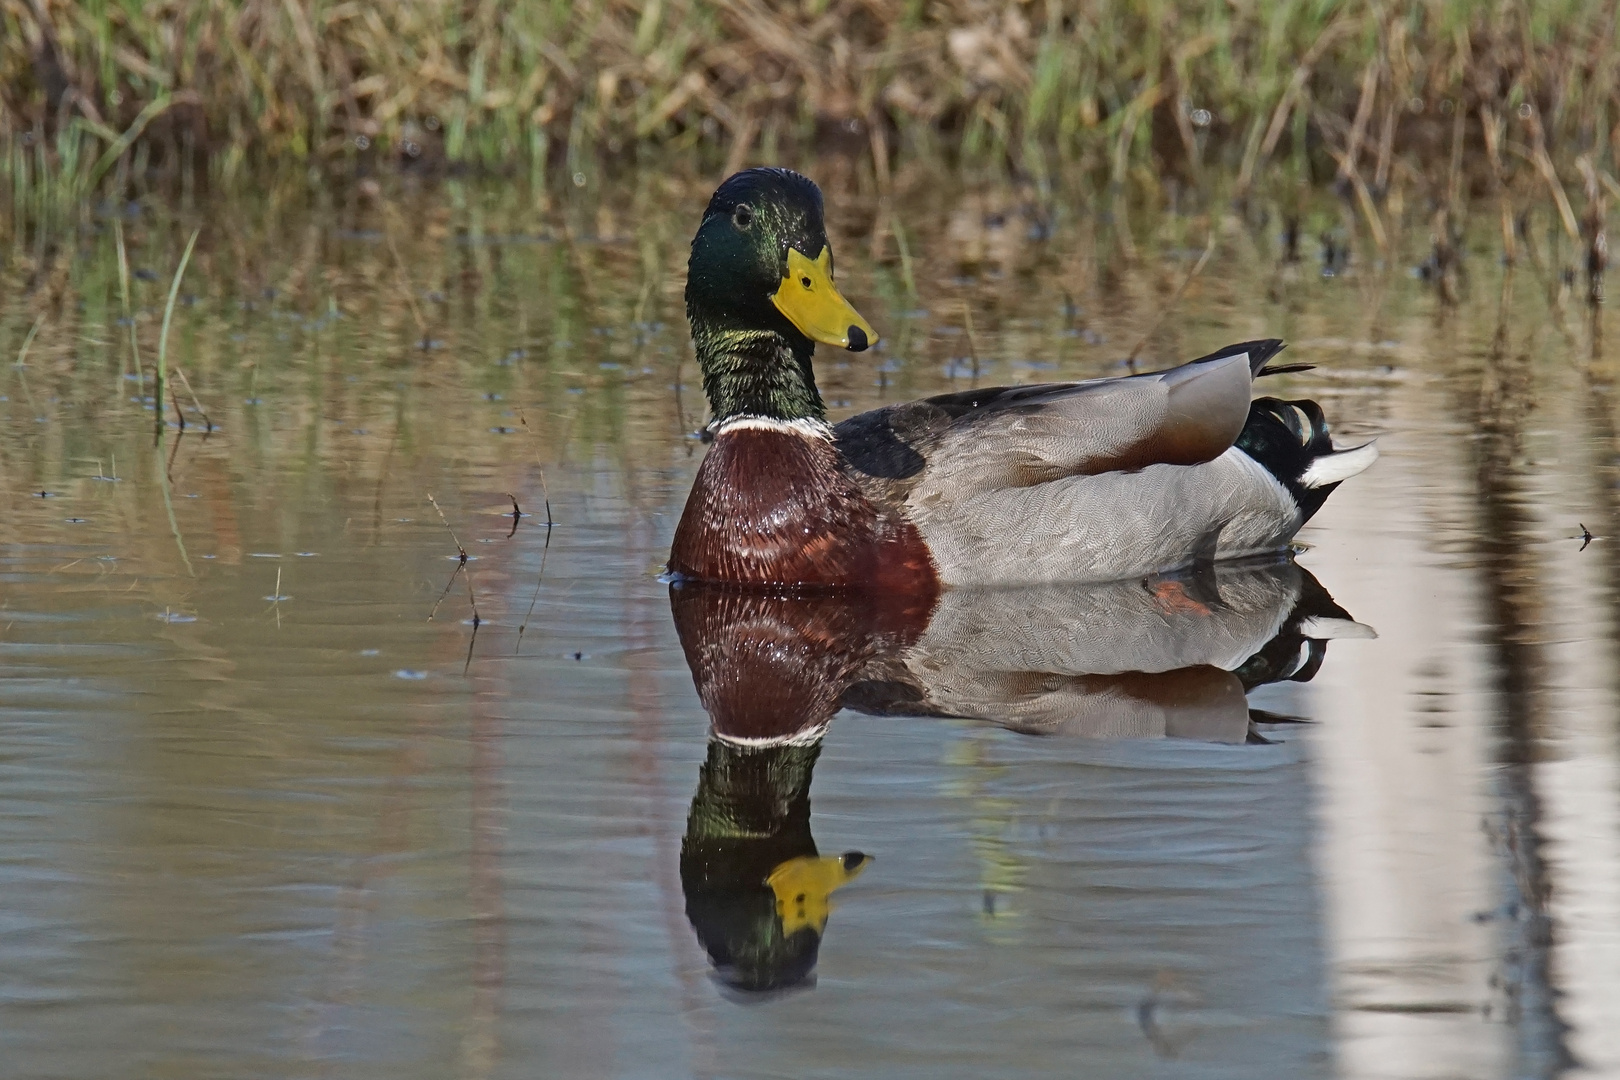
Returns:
(756,888)
(1172,656)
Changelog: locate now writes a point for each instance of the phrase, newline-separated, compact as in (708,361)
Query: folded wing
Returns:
(1025,435)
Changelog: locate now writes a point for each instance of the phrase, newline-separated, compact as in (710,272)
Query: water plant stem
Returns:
(22,353)
(462,563)
(163,337)
(168,508)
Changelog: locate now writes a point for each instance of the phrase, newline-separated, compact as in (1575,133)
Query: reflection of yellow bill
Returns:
(813,303)
(803,885)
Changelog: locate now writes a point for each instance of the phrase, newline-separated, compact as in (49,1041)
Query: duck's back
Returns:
(1096,481)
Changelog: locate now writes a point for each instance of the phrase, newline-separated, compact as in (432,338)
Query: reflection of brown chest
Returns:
(774,506)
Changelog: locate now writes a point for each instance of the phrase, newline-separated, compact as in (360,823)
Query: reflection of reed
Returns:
(357,900)
(643,622)
(1002,872)
(1518,676)
(480,1046)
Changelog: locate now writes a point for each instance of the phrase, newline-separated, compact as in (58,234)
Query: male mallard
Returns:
(1089,481)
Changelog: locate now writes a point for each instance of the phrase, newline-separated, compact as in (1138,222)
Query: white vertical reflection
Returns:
(1578,778)
(1404,743)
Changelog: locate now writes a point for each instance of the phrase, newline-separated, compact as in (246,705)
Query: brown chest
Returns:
(775,507)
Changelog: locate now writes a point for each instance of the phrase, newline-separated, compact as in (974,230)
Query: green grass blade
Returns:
(168,316)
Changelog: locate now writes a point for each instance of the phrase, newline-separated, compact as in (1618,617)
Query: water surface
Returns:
(270,807)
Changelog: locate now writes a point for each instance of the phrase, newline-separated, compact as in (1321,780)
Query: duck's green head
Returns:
(760,293)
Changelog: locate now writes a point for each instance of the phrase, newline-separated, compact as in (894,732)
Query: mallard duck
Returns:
(1090,481)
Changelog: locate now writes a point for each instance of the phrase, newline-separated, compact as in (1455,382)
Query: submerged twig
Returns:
(517,515)
(461,550)
(276,598)
(550,524)
(539,578)
(445,591)
(545,492)
(208,424)
(472,643)
(461,564)
(174,452)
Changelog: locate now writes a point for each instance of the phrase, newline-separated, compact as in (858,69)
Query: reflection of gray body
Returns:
(1126,659)
(1220,619)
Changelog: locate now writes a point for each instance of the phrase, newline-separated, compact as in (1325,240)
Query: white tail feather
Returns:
(1325,629)
(1339,465)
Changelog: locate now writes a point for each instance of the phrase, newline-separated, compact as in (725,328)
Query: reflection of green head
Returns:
(747,839)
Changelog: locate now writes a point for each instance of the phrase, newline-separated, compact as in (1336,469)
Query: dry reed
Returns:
(92,90)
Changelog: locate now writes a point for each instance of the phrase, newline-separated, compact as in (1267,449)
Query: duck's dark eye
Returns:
(805,282)
(743,216)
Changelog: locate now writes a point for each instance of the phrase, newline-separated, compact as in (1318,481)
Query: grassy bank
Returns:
(92,88)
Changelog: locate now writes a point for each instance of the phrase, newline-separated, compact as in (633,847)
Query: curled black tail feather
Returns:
(1285,437)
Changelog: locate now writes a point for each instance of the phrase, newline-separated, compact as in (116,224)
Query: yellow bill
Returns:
(803,885)
(813,303)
